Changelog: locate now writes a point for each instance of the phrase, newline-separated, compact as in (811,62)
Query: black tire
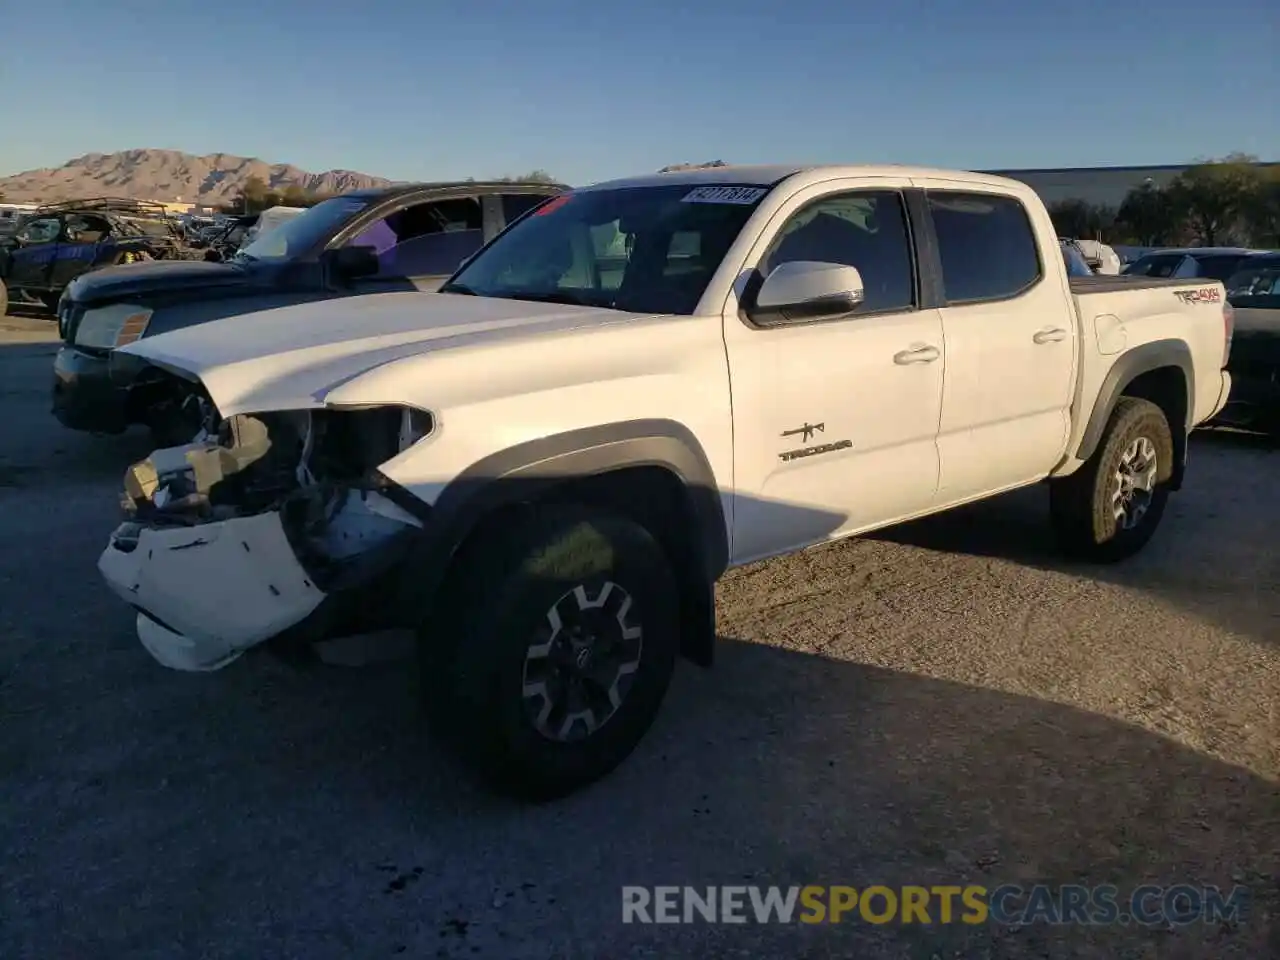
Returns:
(1083,504)
(478,652)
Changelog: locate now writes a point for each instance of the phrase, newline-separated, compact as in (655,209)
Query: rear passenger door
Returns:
(1010,327)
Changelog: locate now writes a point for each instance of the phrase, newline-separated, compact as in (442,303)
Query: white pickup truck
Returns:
(545,467)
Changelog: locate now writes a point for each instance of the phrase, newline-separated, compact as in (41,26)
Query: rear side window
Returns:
(1219,268)
(516,205)
(866,230)
(1159,265)
(425,239)
(986,244)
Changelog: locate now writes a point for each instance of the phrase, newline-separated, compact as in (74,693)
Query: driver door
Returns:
(31,264)
(835,421)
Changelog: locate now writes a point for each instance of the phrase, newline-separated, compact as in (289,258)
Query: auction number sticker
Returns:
(742,195)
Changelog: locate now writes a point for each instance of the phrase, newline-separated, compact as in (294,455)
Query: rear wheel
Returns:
(1109,508)
(553,651)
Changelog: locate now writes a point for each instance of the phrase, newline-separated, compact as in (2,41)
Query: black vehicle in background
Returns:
(1189,263)
(58,242)
(400,238)
(1254,364)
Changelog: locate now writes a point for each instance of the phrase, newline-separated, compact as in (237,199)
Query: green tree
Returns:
(1262,209)
(1147,217)
(294,195)
(1082,220)
(254,197)
(537,176)
(1211,197)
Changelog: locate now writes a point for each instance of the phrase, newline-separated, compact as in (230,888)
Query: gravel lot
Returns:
(946,703)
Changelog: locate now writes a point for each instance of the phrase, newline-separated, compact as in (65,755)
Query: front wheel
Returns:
(554,649)
(1109,508)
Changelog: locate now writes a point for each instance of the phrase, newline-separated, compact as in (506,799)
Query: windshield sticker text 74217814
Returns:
(741,195)
(1203,295)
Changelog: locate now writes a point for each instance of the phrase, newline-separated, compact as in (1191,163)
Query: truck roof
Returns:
(772,174)
(1202,251)
(479,186)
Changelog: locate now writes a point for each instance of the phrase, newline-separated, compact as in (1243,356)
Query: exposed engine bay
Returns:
(318,469)
(239,535)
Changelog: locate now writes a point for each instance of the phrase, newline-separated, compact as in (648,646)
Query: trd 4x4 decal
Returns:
(1203,295)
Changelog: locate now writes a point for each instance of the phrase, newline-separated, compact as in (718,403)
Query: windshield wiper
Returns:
(458,288)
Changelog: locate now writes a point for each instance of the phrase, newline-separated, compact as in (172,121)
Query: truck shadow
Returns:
(775,768)
(1211,557)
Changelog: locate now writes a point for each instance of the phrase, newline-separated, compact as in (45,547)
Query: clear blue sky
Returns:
(589,90)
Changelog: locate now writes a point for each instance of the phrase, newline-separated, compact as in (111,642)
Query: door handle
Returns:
(917,353)
(1050,335)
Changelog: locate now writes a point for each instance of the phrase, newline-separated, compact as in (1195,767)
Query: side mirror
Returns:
(806,290)
(351,263)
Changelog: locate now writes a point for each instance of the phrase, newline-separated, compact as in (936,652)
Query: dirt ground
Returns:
(944,703)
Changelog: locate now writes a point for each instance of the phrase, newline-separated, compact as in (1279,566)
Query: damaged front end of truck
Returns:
(266,527)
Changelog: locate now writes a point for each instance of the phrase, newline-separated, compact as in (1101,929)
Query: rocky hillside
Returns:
(169,174)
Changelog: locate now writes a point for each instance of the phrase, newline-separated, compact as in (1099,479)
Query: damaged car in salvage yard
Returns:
(544,468)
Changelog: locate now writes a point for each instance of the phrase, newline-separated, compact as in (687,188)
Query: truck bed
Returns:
(1112,284)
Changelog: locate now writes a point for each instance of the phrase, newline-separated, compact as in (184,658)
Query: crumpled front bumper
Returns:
(207,593)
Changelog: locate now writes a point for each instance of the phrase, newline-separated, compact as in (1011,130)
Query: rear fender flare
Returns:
(1130,366)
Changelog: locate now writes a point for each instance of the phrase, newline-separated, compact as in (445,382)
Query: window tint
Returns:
(1219,268)
(1157,265)
(864,230)
(516,205)
(986,244)
(426,239)
(1258,284)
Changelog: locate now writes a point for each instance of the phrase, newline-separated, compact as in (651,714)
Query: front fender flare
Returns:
(528,471)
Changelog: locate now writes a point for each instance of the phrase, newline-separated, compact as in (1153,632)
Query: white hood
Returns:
(291,357)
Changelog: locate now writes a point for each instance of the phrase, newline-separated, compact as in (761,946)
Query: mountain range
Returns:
(147,174)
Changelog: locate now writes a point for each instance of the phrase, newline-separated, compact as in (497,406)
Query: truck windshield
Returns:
(638,249)
(294,237)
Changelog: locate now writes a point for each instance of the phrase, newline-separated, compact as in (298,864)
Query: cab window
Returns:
(426,239)
(43,230)
(866,230)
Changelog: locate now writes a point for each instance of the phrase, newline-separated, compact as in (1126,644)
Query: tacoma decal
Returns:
(1203,295)
(789,455)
